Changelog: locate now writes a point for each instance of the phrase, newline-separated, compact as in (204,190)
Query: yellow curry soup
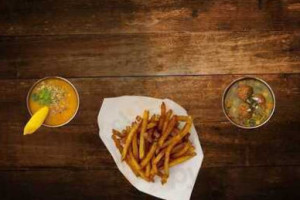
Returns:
(59,95)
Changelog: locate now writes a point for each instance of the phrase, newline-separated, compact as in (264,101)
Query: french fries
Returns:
(162,116)
(166,122)
(143,131)
(129,139)
(182,151)
(150,154)
(153,144)
(181,159)
(117,143)
(167,130)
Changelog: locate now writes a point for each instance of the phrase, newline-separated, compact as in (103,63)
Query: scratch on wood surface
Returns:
(294,7)
(155,17)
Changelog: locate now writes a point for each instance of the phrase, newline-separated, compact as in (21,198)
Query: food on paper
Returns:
(153,144)
(58,95)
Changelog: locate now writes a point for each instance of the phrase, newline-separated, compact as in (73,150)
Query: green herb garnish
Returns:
(43,96)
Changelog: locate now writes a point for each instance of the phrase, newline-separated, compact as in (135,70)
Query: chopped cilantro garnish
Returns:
(43,96)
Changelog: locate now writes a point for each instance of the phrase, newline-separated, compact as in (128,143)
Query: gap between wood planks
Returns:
(156,76)
(207,32)
(67,168)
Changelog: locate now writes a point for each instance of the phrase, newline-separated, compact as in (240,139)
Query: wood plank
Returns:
(78,145)
(150,54)
(263,183)
(114,16)
(200,95)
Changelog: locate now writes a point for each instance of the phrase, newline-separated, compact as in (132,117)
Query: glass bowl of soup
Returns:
(59,95)
(248,102)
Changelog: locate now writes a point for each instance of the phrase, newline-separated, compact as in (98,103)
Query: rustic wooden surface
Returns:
(186,50)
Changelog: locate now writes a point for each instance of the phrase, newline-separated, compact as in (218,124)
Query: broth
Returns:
(59,96)
(249,102)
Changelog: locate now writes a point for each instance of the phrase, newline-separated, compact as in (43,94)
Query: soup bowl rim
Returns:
(53,77)
(244,78)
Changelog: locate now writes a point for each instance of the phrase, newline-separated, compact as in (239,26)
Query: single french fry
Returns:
(167,143)
(134,161)
(149,135)
(183,118)
(177,148)
(167,159)
(156,118)
(149,155)
(128,128)
(167,120)
(152,119)
(146,139)
(153,170)
(135,149)
(123,141)
(181,159)
(167,131)
(162,116)
(151,125)
(137,167)
(138,118)
(190,151)
(175,131)
(129,138)
(117,133)
(124,133)
(143,175)
(148,168)
(143,130)
(160,174)
(117,143)
(130,164)
(182,151)
(160,164)
(159,156)
(186,137)
(130,161)
(181,134)
(164,179)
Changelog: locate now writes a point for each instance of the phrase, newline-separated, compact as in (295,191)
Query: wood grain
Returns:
(61,17)
(185,50)
(78,145)
(200,95)
(150,54)
(214,183)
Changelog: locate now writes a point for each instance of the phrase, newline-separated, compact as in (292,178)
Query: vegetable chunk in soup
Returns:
(59,95)
(249,102)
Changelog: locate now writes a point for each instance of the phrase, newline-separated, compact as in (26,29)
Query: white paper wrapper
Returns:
(117,113)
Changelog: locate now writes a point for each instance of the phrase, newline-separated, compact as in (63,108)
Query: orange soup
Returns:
(59,95)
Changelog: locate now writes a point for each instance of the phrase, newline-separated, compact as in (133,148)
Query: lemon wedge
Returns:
(36,120)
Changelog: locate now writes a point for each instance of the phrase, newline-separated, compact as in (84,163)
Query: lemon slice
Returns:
(36,120)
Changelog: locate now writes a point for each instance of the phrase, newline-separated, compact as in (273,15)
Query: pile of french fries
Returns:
(152,145)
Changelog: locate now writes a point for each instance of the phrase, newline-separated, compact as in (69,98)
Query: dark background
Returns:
(185,50)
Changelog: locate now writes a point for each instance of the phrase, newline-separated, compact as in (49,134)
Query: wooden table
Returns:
(185,50)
